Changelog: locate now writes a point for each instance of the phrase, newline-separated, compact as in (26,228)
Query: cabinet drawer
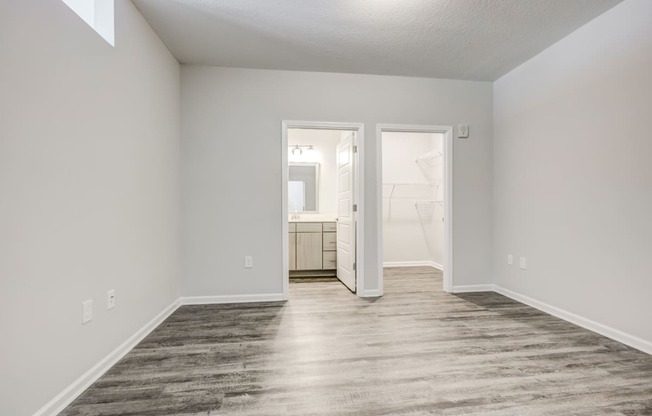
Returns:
(330,226)
(292,227)
(329,241)
(330,260)
(309,227)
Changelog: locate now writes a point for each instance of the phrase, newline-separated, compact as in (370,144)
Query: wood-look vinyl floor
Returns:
(416,351)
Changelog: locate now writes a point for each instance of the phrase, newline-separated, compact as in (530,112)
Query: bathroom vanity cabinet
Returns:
(312,248)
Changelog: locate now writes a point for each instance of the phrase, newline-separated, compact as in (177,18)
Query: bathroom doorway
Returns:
(322,211)
(415,200)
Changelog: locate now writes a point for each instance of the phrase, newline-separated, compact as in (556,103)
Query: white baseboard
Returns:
(390,264)
(374,293)
(437,266)
(206,300)
(473,288)
(627,339)
(63,399)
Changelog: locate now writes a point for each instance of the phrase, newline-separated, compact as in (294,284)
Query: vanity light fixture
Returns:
(297,149)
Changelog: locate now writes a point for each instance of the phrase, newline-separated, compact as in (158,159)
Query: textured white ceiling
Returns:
(460,39)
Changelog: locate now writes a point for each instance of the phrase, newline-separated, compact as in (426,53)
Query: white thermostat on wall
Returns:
(462,131)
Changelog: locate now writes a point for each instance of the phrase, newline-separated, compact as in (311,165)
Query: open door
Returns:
(345,211)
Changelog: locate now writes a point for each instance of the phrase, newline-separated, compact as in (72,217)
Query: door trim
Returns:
(447,182)
(358,192)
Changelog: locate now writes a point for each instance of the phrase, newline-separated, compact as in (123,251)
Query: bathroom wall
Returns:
(412,214)
(325,142)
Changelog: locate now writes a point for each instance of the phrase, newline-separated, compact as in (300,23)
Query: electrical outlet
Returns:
(87,311)
(510,259)
(523,262)
(248,262)
(110,299)
(463,131)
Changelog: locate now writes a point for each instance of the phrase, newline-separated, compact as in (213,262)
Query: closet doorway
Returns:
(415,200)
(322,211)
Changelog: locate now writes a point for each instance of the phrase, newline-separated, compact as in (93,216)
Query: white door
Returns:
(345,213)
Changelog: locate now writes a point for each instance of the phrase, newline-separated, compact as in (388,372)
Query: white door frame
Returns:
(447,183)
(358,192)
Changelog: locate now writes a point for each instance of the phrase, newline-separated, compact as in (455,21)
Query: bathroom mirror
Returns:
(303,187)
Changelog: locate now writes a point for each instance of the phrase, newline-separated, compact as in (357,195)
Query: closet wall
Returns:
(413,230)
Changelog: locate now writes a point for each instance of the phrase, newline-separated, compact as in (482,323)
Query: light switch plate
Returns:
(248,262)
(523,263)
(510,259)
(110,299)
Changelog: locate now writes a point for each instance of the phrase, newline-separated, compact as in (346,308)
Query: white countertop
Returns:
(313,218)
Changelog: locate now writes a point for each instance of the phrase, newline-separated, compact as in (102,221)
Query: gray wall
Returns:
(88,192)
(231,123)
(89,175)
(573,175)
